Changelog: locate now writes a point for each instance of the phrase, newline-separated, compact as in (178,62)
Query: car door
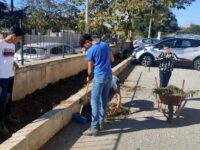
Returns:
(183,48)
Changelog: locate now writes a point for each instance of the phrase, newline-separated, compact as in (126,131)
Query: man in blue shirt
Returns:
(99,57)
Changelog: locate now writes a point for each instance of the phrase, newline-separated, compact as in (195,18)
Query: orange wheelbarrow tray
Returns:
(171,99)
(171,102)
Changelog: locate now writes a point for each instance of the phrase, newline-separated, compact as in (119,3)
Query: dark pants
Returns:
(164,78)
(6,86)
(3,97)
(9,94)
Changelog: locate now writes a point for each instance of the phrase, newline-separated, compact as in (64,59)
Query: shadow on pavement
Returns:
(131,125)
(143,105)
(124,74)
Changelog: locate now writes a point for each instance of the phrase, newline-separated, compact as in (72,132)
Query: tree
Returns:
(50,14)
(3,9)
(10,16)
(137,15)
(123,18)
(193,29)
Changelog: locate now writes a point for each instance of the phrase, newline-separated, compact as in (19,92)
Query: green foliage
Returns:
(173,90)
(127,19)
(50,14)
(193,29)
(3,8)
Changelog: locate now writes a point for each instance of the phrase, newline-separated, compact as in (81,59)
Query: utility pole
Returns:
(12,6)
(86,17)
(150,22)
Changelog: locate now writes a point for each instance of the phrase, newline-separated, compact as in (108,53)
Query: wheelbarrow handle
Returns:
(183,84)
(156,82)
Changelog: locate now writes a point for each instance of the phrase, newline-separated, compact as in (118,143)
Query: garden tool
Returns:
(78,116)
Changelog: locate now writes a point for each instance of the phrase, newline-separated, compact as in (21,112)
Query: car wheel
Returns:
(146,60)
(197,64)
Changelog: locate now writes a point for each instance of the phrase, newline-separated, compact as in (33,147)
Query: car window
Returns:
(30,51)
(196,43)
(56,50)
(68,49)
(186,43)
(172,42)
(40,51)
(146,41)
(154,41)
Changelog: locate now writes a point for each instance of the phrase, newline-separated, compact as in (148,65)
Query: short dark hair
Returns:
(167,45)
(16,30)
(84,38)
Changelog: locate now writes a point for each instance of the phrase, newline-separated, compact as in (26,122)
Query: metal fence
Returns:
(37,47)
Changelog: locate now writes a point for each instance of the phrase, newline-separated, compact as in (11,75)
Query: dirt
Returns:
(36,104)
(112,114)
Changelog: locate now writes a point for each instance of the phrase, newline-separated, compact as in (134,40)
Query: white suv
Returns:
(186,48)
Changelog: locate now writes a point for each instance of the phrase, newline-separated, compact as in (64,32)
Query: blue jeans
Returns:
(99,98)
(164,78)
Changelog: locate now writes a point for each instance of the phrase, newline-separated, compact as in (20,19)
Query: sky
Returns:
(191,15)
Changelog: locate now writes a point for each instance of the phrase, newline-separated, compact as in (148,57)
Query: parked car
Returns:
(185,48)
(38,51)
(144,42)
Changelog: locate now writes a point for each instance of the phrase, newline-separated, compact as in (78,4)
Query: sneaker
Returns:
(12,119)
(91,132)
(3,129)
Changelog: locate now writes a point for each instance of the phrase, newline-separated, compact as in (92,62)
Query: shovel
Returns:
(78,116)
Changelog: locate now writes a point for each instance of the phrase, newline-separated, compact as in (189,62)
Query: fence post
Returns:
(21,44)
(63,50)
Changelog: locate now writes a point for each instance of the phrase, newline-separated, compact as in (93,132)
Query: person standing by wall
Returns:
(7,66)
(99,57)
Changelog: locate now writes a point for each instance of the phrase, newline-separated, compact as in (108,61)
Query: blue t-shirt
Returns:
(99,53)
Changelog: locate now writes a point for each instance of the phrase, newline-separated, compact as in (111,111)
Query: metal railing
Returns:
(37,47)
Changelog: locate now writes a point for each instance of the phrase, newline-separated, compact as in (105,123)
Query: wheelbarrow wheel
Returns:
(170,113)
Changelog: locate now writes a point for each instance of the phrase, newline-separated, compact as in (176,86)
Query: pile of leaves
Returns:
(112,113)
(173,90)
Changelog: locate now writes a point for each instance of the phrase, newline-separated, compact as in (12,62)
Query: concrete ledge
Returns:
(37,133)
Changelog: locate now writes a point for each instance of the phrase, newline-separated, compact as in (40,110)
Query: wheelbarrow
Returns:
(171,105)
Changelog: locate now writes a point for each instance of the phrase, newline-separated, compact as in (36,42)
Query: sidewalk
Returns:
(145,128)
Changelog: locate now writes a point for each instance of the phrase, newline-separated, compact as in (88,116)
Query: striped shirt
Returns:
(167,64)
